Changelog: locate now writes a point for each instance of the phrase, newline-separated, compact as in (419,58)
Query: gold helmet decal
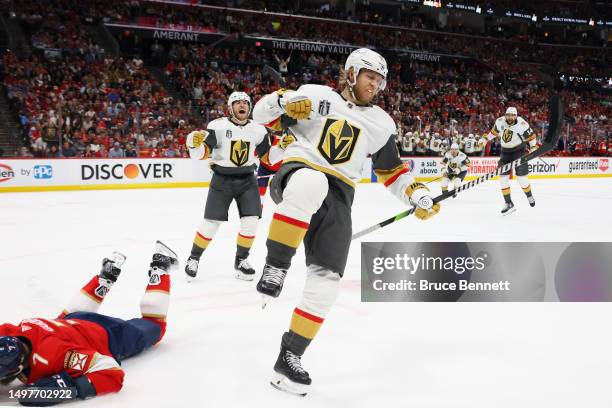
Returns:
(338,140)
(239,152)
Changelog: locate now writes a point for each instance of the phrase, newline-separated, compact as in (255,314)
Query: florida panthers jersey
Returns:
(512,136)
(455,164)
(76,346)
(233,149)
(338,136)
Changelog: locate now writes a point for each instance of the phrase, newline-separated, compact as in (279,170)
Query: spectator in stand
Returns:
(68,150)
(53,152)
(116,152)
(130,151)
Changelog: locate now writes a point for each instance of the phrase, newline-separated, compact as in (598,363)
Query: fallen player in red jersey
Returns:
(81,349)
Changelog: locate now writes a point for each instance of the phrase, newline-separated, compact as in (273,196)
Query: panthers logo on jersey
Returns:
(239,152)
(338,140)
(507,135)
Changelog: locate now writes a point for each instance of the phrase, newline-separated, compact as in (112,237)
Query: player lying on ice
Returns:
(81,348)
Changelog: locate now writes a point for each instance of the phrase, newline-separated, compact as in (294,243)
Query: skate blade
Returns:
(118,259)
(243,276)
(189,279)
(510,211)
(265,299)
(164,249)
(282,383)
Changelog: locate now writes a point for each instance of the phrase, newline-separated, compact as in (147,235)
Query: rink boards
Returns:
(18,175)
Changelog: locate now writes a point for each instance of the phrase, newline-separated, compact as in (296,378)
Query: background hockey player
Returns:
(81,348)
(469,145)
(314,190)
(514,133)
(454,167)
(235,145)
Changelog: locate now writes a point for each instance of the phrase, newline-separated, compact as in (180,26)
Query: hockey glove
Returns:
(286,140)
(196,138)
(297,107)
(420,197)
(84,389)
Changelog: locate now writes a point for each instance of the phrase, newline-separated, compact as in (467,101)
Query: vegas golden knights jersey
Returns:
(513,136)
(234,149)
(339,136)
(455,164)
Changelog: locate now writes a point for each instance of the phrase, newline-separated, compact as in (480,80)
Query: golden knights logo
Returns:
(507,135)
(239,152)
(338,140)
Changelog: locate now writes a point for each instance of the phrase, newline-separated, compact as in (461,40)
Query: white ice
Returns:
(220,346)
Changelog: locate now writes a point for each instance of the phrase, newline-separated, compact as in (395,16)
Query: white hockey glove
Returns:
(420,197)
(196,138)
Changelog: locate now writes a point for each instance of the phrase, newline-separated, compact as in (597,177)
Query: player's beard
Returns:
(363,96)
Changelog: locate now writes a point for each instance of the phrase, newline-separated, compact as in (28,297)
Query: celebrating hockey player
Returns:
(81,349)
(235,143)
(314,189)
(514,132)
(454,167)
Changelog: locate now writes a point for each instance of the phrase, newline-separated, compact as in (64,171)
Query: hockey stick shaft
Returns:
(552,136)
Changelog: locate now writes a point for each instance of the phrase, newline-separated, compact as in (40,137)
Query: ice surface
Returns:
(220,346)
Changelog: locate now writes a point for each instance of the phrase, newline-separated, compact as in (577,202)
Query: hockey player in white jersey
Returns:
(454,167)
(469,145)
(232,143)
(515,134)
(314,189)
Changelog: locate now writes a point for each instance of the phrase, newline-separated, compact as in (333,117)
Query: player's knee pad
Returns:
(304,194)
(208,228)
(320,290)
(523,181)
(457,182)
(504,181)
(445,182)
(248,225)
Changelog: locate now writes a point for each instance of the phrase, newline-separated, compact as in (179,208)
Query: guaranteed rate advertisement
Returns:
(486,272)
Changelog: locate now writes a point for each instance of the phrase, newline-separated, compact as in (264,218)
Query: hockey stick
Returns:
(274,74)
(550,141)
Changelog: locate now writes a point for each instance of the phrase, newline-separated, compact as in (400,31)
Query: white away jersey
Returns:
(455,164)
(232,147)
(338,136)
(512,136)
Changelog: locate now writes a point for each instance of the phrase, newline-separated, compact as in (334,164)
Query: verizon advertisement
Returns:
(430,167)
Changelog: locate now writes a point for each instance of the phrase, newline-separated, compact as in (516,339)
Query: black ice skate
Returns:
(289,375)
(191,268)
(509,208)
(111,268)
(243,268)
(531,201)
(164,259)
(271,283)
